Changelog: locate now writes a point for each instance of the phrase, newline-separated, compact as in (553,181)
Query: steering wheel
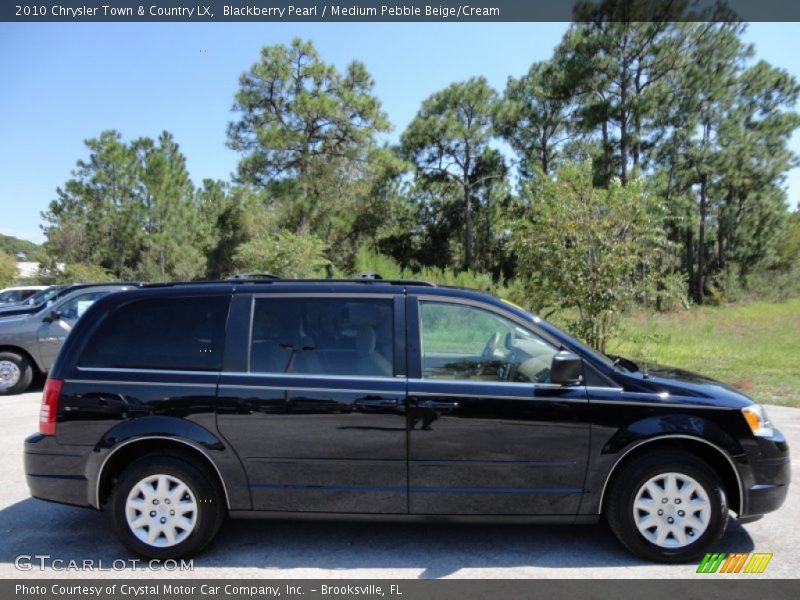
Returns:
(491,346)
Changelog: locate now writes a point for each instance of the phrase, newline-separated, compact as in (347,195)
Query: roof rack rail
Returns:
(274,279)
(253,276)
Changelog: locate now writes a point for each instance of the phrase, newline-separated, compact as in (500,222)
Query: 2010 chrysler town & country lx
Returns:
(176,405)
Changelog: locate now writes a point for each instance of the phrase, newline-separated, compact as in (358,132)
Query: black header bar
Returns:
(400,11)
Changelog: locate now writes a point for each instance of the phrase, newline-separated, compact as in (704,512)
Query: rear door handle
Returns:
(438,405)
(378,402)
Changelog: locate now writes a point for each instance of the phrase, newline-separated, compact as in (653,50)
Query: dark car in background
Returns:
(29,343)
(176,405)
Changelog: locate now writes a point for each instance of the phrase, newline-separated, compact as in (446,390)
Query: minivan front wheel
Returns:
(668,508)
(165,507)
(16,373)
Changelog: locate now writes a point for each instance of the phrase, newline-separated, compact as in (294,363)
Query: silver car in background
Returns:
(30,343)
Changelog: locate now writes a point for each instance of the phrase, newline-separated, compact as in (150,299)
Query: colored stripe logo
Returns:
(736,562)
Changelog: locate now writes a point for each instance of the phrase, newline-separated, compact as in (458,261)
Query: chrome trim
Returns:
(152,383)
(522,385)
(661,404)
(680,436)
(157,437)
(156,371)
(311,389)
(492,396)
(333,295)
(310,376)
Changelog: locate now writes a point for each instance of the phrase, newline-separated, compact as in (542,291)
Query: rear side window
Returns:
(161,333)
(323,336)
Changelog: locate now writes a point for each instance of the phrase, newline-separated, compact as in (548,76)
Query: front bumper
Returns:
(55,472)
(770,474)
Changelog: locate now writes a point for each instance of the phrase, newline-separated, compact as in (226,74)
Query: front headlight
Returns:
(758,421)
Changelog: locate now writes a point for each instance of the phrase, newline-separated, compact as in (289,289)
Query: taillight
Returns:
(47,414)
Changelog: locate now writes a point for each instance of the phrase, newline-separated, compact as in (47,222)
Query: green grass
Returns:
(754,347)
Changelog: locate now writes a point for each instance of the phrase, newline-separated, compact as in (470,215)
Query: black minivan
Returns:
(178,405)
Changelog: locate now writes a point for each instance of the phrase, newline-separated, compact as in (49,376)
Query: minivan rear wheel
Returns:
(166,507)
(16,373)
(668,508)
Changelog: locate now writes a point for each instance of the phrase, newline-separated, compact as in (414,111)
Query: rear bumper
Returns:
(55,472)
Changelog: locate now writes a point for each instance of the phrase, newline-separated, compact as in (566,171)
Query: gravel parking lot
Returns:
(263,549)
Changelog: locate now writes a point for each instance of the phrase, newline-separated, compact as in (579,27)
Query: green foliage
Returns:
(373,262)
(73,273)
(129,209)
(296,110)
(648,157)
(8,269)
(13,246)
(170,248)
(285,254)
(534,116)
(307,133)
(591,250)
(448,141)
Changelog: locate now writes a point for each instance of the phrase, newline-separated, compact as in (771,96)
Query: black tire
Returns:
(25,369)
(209,498)
(619,508)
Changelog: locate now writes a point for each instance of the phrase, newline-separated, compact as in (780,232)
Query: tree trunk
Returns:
(623,127)
(467,227)
(637,120)
(545,153)
(690,258)
(701,242)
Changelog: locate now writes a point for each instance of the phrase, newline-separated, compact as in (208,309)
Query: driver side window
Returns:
(464,342)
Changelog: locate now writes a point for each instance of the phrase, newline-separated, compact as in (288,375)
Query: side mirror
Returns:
(566,368)
(53,317)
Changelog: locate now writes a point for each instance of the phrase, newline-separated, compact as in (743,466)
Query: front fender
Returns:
(671,424)
(617,433)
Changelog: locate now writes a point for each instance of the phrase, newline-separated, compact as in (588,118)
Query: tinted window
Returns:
(161,333)
(468,343)
(323,336)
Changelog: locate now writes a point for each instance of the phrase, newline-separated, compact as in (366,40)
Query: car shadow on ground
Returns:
(33,527)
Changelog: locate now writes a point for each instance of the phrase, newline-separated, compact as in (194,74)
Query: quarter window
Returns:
(161,333)
(468,343)
(323,336)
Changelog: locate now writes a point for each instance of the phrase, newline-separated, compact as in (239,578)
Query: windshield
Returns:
(572,343)
(10,296)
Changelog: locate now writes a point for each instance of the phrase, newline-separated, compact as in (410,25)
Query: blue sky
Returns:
(64,83)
